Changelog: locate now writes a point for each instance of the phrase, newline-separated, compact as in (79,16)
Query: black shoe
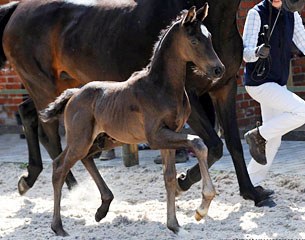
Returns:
(257,146)
(182,156)
(263,191)
(143,146)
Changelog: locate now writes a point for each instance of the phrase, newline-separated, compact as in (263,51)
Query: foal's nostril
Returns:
(218,71)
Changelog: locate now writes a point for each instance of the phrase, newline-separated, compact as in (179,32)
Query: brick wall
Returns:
(248,111)
(9,102)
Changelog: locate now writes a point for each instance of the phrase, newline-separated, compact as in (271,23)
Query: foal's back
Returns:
(111,107)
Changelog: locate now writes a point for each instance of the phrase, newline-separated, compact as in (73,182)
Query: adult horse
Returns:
(54,45)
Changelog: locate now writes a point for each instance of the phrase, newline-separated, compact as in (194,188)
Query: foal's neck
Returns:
(167,66)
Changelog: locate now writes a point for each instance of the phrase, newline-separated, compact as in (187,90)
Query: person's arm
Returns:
(250,35)
(299,33)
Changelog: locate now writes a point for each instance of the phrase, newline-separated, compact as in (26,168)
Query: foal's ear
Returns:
(202,13)
(189,16)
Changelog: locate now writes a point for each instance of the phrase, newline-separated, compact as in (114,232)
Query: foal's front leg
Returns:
(169,174)
(168,139)
(208,191)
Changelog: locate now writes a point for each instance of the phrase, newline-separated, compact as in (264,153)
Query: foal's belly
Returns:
(123,124)
(127,134)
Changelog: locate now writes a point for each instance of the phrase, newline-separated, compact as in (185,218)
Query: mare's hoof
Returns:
(60,232)
(23,187)
(263,197)
(264,193)
(266,203)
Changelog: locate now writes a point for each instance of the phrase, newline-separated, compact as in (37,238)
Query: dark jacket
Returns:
(280,42)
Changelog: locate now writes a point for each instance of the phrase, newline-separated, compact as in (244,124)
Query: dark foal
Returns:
(152,105)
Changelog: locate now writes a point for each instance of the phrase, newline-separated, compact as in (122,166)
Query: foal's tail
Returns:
(6,12)
(58,106)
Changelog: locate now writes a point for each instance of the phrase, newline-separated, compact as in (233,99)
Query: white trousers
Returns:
(282,111)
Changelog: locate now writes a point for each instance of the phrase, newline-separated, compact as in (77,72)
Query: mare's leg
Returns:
(169,170)
(225,105)
(167,139)
(50,138)
(203,125)
(106,194)
(224,102)
(28,115)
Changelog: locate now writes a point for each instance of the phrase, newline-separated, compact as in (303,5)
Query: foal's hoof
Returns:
(23,187)
(183,234)
(99,215)
(60,232)
(200,214)
(179,190)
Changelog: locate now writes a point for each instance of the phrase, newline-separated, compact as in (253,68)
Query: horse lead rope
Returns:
(277,17)
(260,66)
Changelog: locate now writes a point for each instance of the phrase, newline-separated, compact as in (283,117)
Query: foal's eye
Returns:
(194,41)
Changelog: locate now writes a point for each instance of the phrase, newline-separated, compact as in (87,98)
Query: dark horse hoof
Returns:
(101,212)
(262,199)
(263,193)
(23,187)
(99,216)
(266,203)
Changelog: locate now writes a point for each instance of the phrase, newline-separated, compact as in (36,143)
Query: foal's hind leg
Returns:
(61,166)
(58,178)
(78,146)
(50,138)
(106,194)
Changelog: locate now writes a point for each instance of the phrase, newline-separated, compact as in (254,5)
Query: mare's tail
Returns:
(58,106)
(6,12)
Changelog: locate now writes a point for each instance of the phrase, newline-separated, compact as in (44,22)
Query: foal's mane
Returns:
(163,34)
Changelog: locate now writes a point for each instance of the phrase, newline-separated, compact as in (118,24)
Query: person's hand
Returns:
(262,51)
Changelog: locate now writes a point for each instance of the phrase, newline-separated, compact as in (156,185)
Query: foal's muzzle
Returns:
(217,72)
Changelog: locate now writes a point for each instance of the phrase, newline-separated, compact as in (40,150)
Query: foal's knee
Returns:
(199,147)
(199,144)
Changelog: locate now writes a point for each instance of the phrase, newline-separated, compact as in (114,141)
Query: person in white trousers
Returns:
(267,53)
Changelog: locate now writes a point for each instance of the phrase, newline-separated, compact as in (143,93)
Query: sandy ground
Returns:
(139,208)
